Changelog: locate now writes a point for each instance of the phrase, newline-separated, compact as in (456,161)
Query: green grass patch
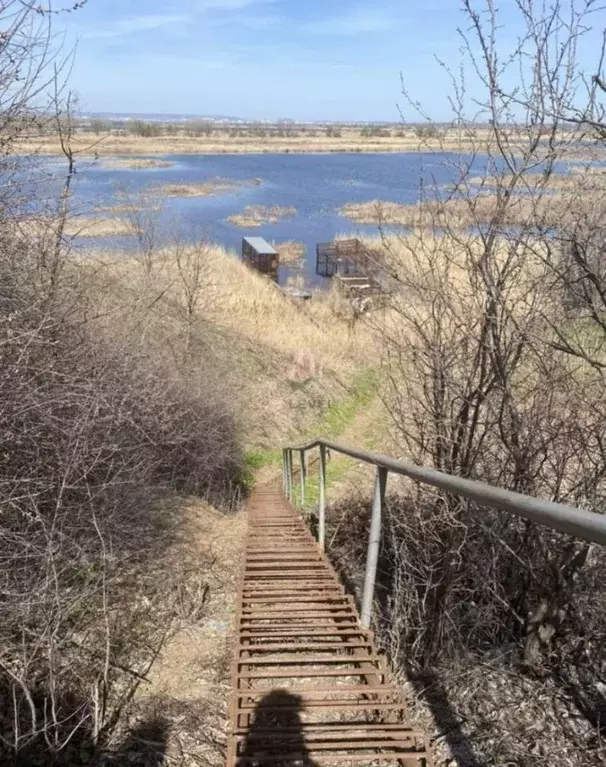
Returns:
(335,471)
(339,415)
(337,418)
(259,458)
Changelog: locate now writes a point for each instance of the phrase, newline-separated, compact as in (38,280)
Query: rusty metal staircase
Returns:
(308,687)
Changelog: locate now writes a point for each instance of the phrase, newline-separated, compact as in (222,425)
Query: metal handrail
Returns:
(587,525)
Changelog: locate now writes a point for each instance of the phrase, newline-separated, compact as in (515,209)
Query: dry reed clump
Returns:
(291,253)
(539,202)
(449,213)
(257,215)
(249,303)
(122,163)
(84,226)
(583,179)
(75,226)
(205,189)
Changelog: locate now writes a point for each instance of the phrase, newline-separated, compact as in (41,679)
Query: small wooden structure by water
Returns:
(259,254)
(348,258)
(359,272)
(359,287)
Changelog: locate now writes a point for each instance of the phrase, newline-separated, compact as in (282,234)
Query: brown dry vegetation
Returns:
(187,689)
(158,370)
(82,226)
(75,226)
(206,189)
(169,139)
(503,642)
(135,163)
(284,353)
(545,201)
(131,385)
(222,142)
(257,215)
(292,253)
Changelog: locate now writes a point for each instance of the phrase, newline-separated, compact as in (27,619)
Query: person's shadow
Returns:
(276,736)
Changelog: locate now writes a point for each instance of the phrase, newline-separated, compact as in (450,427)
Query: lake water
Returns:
(315,185)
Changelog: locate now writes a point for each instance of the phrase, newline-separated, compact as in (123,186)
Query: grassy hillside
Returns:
(285,361)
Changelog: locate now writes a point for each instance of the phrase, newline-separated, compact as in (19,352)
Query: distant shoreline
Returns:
(124,144)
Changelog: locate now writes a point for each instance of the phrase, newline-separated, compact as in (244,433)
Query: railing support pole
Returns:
(322,511)
(290,475)
(284,472)
(303,476)
(374,542)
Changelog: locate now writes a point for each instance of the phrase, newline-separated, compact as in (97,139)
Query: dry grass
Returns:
(149,203)
(586,179)
(189,683)
(205,189)
(536,204)
(348,139)
(409,253)
(257,215)
(78,226)
(192,190)
(292,253)
(456,213)
(288,359)
(253,305)
(97,227)
(122,163)
(220,142)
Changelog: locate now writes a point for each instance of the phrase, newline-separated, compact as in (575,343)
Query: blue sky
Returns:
(266,59)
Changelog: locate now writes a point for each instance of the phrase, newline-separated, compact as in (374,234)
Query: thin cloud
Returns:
(263,21)
(130,26)
(355,23)
(227,5)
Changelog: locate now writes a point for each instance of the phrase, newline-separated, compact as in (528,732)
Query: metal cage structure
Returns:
(260,255)
(348,258)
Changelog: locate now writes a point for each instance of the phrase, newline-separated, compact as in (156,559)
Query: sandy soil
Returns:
(186,695)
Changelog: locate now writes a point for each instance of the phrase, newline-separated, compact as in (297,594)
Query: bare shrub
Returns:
(143,216)
(101,431)
(497,569)
(100,437)
(194,281)
(478,351)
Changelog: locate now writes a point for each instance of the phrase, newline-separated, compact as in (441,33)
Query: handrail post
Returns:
(290,475)
(303,476)
(374,542)
(284,472)
(322,511)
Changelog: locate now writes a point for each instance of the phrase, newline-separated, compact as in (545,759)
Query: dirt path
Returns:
(186,697)
(180,714)
(367,431)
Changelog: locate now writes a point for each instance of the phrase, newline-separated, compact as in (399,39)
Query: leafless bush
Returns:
(194,283)
(478,354)
(143,216)
(100,431)
(96,437)
(464,580)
